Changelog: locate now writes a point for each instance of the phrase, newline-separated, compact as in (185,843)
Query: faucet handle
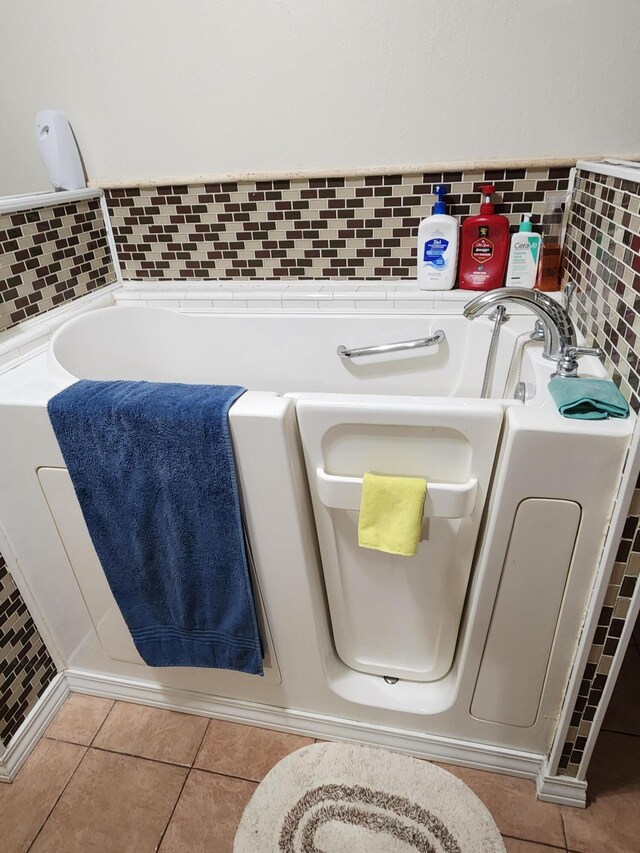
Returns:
(569,291)
(568,364)
(576,352)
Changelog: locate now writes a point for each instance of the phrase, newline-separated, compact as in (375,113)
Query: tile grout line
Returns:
(195,758)
(166,826)
(59,797)
(106,717)
(228,775)
(197,752)
(141,757)
(71,743)
(186,778)
(564,830)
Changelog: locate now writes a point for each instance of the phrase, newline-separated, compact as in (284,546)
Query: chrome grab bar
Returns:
(437,338)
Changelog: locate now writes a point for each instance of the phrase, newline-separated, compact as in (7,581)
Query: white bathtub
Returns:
(461,652)
(281,353)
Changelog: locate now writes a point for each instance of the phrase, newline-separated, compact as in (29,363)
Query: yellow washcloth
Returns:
(391,512)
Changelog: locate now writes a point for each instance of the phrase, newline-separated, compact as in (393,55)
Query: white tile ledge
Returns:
(31,201)
(628,170)
(355,295)
(344,171)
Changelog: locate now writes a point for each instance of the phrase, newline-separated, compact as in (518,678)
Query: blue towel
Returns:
(587,399)
(152,465)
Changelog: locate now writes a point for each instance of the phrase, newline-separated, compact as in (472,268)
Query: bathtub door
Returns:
(393,616)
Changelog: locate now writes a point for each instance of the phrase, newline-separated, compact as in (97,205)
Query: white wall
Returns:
(161,88)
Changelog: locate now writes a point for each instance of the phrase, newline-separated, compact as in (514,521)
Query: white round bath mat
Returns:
(340,798)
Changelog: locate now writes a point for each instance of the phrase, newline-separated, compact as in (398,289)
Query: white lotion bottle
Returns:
(438,246)
(524,256)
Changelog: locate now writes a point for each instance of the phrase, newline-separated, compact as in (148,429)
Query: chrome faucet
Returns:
(559,334)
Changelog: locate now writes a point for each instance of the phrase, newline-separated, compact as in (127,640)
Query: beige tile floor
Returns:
(113,777)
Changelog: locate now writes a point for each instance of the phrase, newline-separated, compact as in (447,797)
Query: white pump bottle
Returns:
(438,247)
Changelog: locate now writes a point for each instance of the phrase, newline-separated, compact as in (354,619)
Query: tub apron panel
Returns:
(398,616)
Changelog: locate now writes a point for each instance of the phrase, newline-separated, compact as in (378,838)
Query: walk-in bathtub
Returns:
(463,651)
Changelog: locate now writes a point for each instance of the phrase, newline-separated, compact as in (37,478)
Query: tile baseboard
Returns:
(450,750)
(34,727)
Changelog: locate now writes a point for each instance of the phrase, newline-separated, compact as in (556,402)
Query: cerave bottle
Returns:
(524,256)
(438,246)
(484,247)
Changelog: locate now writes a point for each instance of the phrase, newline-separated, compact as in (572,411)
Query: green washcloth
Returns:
(588,399)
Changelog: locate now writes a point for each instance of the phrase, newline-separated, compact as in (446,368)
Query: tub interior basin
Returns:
(286,352)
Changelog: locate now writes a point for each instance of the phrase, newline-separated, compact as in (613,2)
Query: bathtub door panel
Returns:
(398,616)
(109,623)
(516,655)
(105,614)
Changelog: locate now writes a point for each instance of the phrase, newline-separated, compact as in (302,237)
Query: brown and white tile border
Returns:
(51,253)
(340,227)
(26,667)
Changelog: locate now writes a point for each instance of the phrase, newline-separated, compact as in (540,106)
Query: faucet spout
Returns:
(559,331)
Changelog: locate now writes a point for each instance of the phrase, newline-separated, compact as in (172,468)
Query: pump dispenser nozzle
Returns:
(526,225)
(487,191)
(440,190)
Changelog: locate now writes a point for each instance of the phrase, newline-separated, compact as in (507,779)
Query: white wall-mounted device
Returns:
(59,151)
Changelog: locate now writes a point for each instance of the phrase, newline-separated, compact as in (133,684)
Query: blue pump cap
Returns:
(440,190)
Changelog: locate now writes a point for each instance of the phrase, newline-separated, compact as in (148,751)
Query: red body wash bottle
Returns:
(484,248)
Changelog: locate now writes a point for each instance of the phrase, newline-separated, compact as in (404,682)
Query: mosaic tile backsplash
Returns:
(50,255)
(342,227)
(26,668)
(602,254)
